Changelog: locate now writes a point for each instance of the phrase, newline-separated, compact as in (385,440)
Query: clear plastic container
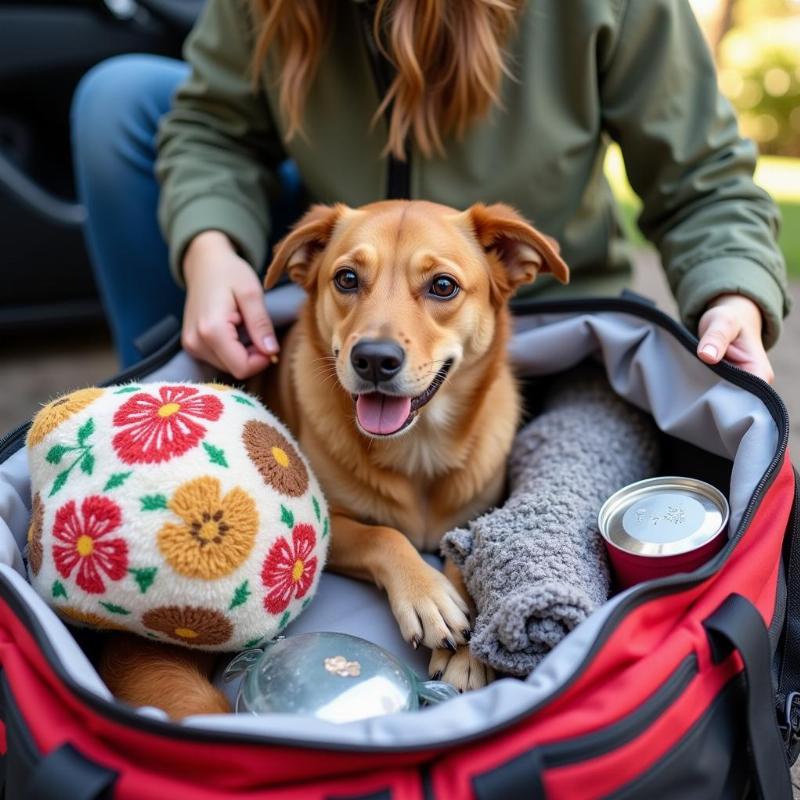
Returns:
(331,676)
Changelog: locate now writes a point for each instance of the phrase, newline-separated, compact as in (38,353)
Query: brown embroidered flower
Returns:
(35,550)
(276,458)
(217,534)
(75,616)
(60,410)
(190,624)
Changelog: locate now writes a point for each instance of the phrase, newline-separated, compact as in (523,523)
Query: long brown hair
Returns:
(448,56)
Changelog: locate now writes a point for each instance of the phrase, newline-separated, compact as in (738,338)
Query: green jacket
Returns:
(585,72)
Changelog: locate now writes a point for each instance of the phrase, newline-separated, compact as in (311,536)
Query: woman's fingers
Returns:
(718,328)
(223,292)
(250,300)
(731,328)
(241,362)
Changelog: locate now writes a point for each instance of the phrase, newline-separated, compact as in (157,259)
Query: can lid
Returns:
(663,516)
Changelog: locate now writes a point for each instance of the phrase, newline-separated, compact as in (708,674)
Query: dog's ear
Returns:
(523,251)
(297,252)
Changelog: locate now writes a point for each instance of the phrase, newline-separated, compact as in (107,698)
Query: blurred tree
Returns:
(715,18)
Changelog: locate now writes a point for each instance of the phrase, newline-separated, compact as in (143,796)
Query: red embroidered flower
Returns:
(85,545)
(159,428)
(289,569)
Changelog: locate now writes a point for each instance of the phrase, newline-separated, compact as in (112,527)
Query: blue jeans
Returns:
(115,114)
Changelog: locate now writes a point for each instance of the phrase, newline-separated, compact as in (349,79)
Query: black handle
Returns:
(789,673)
(157,336)
(737,625)
(66,770)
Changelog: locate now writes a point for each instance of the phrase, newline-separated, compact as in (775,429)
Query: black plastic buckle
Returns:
(790,727)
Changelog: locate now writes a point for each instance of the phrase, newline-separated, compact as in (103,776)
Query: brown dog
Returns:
(396,383)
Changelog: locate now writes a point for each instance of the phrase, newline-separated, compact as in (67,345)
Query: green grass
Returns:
(779,176)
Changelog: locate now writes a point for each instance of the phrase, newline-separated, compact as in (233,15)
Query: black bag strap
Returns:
(789,675)
(737,625)
(64,772)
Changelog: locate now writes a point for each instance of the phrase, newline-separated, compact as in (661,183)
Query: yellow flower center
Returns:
(85,545)
(297,570)
(186,633)
(208,531)
(280,456)
(168,409)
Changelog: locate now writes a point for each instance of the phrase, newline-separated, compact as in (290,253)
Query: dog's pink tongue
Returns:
(381,413)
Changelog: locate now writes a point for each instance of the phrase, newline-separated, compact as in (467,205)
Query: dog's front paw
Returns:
(461,669)
(428,608)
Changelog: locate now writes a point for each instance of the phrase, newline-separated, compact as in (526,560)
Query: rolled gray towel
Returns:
(536,567)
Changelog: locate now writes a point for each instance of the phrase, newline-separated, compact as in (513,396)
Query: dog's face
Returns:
(406,294)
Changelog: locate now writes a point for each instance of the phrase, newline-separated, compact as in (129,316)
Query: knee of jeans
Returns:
(113,93)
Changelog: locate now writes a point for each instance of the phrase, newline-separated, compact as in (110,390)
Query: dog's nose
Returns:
(377,360)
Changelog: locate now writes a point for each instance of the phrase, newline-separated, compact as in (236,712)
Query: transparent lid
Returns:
(331,676)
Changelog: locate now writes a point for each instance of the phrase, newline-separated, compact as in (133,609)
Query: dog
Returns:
(396,382)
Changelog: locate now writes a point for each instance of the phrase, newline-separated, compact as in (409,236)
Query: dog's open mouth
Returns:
(386,414)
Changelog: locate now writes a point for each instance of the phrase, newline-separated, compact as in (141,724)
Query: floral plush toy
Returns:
(182,512)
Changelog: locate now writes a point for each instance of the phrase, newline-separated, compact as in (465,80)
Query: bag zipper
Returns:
(612,737)
(398,180)
(638,596)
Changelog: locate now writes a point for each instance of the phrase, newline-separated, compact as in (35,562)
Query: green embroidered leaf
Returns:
(215,454)
(85,431)
(60,480)
(144,577)
(306,602)
(325,528)
(59,590)
(114,609)
(252,643)
(284,619)
(243,400)
(315,503)
(151,635)
(240,596)
(87,463)
(117,479)
(153,502)
(127,390)
(56,453)
(287,518)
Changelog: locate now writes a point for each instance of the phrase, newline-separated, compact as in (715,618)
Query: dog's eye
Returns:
(346,280)
(443,287)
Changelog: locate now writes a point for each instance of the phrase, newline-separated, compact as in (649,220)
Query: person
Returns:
(454,102)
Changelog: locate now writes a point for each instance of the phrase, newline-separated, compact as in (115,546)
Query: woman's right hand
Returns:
(223,292)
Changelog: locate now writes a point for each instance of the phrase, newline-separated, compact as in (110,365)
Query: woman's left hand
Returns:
(730,328)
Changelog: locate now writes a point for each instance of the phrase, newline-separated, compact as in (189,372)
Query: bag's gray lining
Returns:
(645,365)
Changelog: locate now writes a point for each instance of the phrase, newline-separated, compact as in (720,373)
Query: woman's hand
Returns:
(222,292)
(731,328)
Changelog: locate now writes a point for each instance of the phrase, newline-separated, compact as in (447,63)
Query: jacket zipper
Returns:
(637,597)
(398,180)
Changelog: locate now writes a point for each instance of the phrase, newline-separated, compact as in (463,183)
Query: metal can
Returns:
(661,526)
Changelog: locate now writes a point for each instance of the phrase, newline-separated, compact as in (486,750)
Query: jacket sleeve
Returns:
(218,148)
(716,230)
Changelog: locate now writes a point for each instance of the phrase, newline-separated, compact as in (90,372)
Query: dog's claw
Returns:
(467,634)
(415,640)
(449,644)
(437,676)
